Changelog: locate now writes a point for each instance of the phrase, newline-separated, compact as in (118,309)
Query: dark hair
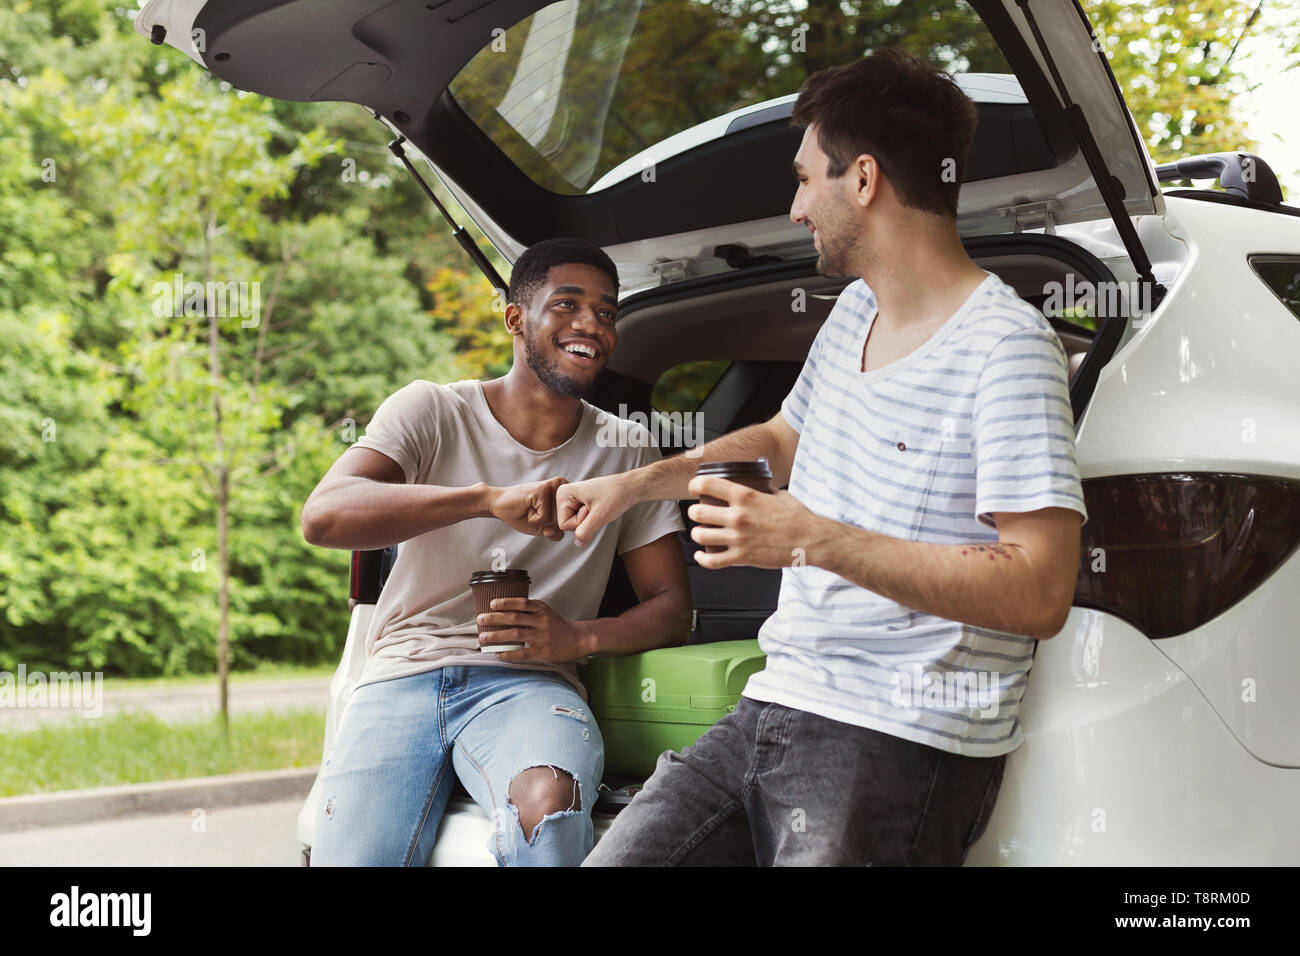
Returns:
(911,116)
(530,271)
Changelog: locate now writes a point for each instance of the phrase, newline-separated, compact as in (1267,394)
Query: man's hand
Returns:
(530,508)
(585,507)
(550,637)
(757,529)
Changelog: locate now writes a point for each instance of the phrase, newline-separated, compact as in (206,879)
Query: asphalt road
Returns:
(183,703)
(255,835)
(251,835)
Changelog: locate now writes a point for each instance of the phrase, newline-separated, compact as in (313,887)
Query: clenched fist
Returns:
(585,507)
(529,508)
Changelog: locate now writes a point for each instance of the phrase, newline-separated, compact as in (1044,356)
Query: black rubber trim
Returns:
(1108,185)
(1227,199)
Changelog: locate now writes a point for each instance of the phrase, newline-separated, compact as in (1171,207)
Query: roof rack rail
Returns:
(1242,174)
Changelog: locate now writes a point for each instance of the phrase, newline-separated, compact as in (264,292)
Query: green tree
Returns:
(195,172)
(109,465)
(1178,65)
(463,309)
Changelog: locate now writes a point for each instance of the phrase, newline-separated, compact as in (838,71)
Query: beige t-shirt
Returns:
(447,435)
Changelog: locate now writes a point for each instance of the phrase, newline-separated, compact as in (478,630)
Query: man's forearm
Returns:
(660,621)
(986,585)
(359,514)
(667,480)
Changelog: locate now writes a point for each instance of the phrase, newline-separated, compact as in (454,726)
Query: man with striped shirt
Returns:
(929,536)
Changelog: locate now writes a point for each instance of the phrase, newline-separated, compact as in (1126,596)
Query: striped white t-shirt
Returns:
(976,420)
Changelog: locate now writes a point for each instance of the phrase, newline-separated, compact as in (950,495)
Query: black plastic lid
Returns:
(498,577)
(739,469)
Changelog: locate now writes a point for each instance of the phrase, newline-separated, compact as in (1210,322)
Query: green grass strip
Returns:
(265,672)
(138,747)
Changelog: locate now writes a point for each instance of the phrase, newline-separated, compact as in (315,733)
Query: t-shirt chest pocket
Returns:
(915,454)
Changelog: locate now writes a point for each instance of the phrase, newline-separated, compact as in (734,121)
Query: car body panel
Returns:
(1246,663)
(1208,382)
(1125,763)
(344,681)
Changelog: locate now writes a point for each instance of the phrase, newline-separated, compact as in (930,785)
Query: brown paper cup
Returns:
(486,587)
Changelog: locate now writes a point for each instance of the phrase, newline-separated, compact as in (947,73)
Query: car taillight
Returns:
(364,588)
(1169,552)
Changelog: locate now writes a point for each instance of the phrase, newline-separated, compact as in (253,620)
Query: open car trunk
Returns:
(567,119)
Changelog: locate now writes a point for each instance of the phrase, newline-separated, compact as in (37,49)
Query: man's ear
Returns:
(866,176)
(514,319)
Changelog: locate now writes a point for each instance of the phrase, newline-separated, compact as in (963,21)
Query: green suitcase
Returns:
(664,699)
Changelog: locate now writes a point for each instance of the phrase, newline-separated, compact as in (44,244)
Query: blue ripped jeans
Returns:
(386,783)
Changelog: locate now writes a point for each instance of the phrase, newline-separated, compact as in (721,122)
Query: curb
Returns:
(35,810)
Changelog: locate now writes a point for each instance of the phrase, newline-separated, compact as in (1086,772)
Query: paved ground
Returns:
(255,835)
(184,703)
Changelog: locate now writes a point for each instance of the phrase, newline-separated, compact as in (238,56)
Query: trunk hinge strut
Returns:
(1106,184)
(457,232)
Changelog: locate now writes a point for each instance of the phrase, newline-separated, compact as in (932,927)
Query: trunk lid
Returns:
(659,128)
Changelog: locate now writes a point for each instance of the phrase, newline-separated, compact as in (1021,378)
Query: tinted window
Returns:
(581,86)
(1282,275)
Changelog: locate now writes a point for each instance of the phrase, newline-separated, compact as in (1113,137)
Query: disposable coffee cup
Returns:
(487,586)
(751,474)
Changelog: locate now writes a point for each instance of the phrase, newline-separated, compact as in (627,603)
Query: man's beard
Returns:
(549,374)
(843,254)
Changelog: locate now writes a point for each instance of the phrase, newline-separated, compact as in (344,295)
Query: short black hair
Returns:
(911,116)
(530,271)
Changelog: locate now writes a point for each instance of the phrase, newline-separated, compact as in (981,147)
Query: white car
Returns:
(1162,724)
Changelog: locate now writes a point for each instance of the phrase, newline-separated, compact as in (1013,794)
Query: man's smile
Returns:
(582,352)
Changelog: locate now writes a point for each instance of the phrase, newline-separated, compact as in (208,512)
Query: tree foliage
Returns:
(127,171)
(1180,67)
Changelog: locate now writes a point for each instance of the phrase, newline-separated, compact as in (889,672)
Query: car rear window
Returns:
(582,86)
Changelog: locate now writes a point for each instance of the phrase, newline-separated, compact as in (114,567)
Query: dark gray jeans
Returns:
(770,785)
